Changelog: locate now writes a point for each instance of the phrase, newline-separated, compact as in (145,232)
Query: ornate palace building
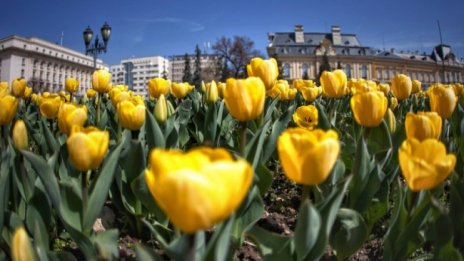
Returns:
(43,64)
(301,54)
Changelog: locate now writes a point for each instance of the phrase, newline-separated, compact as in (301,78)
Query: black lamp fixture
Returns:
(97,47)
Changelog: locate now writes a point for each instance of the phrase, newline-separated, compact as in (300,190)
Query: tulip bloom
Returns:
(158,86)
(71,85)
(49,105)
(416,86)
(69,115)
(267,70)
(18,87)
(27,92)
(199,188)
(20,139)
(91,93)
(119,93)
(401,86)
(423,125)
(282,90)
(221,87)
(384,87)
(369,108)
(131,113)
(161,110)
(334,84)
(391,120)
(3,89)
(307,157)
(101,81)
(458,89)
(442,100)
(180,90)
(425,164)
(87,147)
(393,103)
(244,99)
(21,247)
(212,92)
(306,117)
(361,85)
(8,107)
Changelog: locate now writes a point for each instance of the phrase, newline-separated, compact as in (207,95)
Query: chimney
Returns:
(336,36)
(299,33)
(270,38)
(392,50)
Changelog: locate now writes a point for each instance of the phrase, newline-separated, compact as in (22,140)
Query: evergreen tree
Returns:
(197,73)
(187,77)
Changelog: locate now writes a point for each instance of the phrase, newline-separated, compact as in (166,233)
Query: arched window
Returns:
(364,71)
(304,70)
(286,70)
(348,70)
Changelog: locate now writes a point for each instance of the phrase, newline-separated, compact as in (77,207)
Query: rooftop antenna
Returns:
(62,36)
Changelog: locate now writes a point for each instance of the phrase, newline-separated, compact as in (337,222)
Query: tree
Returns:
(237,53)
(187,77)
(197,73)
(325,66)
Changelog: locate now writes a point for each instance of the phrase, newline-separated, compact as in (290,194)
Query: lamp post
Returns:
(97,47)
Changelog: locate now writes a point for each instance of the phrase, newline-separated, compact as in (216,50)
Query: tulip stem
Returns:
(4,138)
(84,194)
(191,248)
(243,137)
(98,109)
(306,193)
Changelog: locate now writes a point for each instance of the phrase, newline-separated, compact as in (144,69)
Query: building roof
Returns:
(313,39)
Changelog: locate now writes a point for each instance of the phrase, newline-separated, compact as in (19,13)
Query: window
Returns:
(364,71)
(348,70)
(22,73)
(304,71)
(286,70)
(23,62)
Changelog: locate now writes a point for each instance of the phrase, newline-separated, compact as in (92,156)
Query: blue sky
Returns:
(153,27)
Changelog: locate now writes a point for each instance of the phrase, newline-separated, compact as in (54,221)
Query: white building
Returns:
(43,64)
(135,72)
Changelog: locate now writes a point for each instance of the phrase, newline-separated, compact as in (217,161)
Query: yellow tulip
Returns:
(267,70)
(390,119)
(27,92)
(458,89)
(131,113)
(401,86)
(71,85)
(384,87)
(21,247)
(307,157)
(212,92)
(244,99)
(91,93)
(65,96)
(4,89)
(158,86)
(221,87)
(180,90)
(18,87)
(301,84)
(361,85)
(423,125)
(87,147)
(20,139)
(119,93)
(69,115)
(308,89)
(101,81)
(416,86)
(369,108)
(49,105)
(8,107)
(425,164)
(334,84)
(161,111)
(199,188)
(442,100)
(393,103)
(282,90)
(306,117)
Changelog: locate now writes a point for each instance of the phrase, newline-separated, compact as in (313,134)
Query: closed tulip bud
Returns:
(212,94)
(18,87)
(385,88)
(87,147)
(131,114)
(199,188)
(20,139)
(91,93)
(180,90)
(3,89)
(306,117)
(393,103)
(21,247)
(161,110)
(442,100)
(101,81)
(425,164)
(458,89)
(221,87)
(27,92)
(171,110)
(423,125)
(71,85)
(158,86)
(334,84)
(203,87)
(390,119)
(69,115)
(267,70)
(416,86)
(8,107)
(307,157)
(401,86)
(34,97)
(49,105)
(369,108)
(244,99)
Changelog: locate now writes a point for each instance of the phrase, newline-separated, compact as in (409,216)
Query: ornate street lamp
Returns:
(97,47)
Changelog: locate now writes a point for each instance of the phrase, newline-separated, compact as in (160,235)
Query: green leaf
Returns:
(271,246)
(361,169)
(210,124)
(269,108)
(144,253)
(265,178)
(323,120)
(107,243)
(255,147)
(160,232)
(277,128)
(374,179)
(46,175)
(218,245)
(349,233)
(99,194)
(70,208)
(141,191)
(379,139)
(52,144)
(154,135)
(248,214)
(4,185)
(41,243)
(307,229)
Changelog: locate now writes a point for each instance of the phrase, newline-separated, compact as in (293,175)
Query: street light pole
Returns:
(97,47)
